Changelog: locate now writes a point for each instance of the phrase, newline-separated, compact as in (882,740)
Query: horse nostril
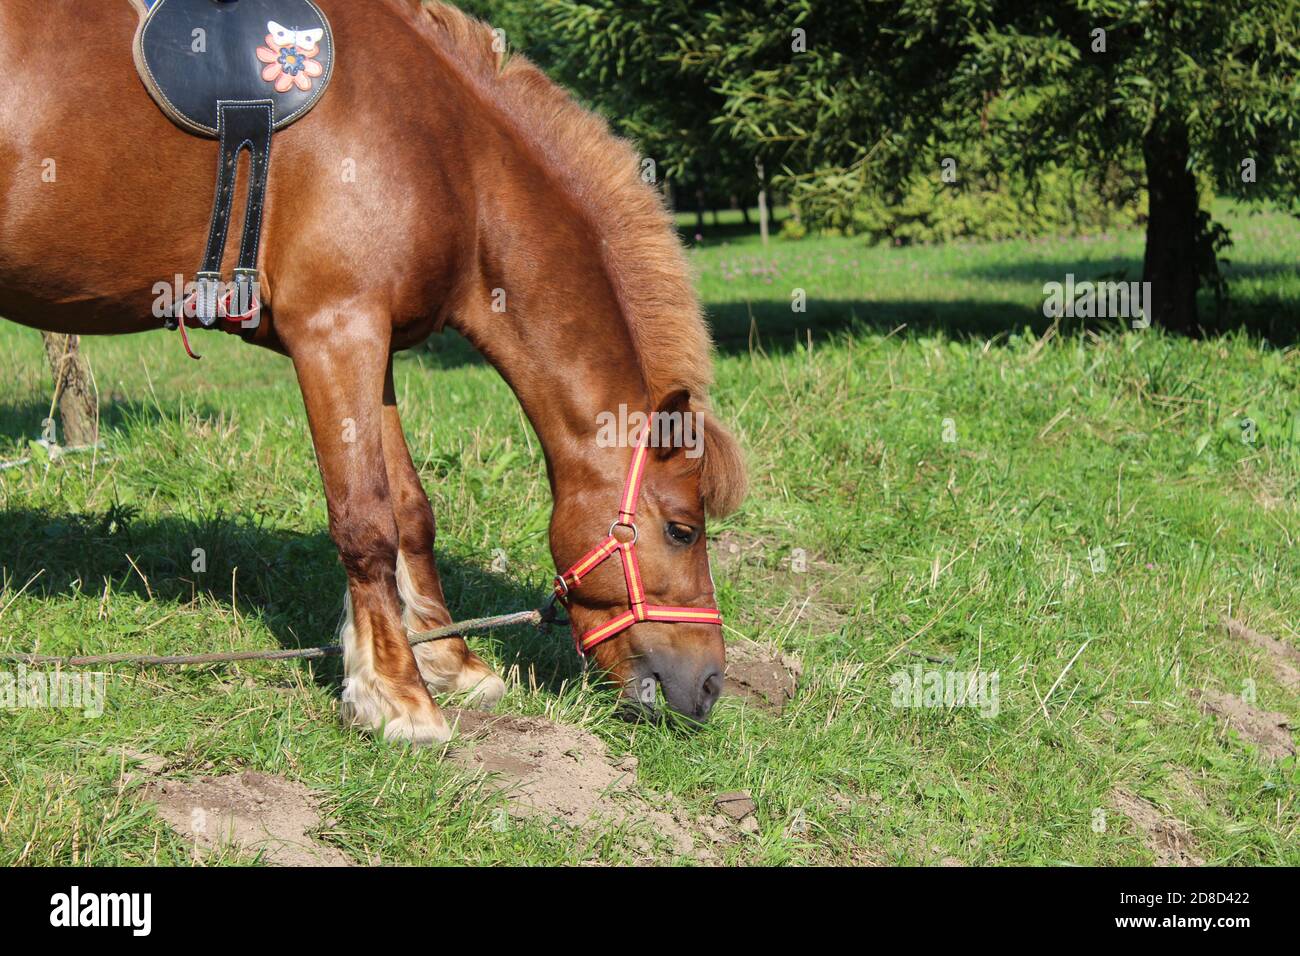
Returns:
(711,691)
(691,691)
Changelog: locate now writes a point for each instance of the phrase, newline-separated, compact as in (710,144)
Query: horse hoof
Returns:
(487,693)
(421,732)
(420,724)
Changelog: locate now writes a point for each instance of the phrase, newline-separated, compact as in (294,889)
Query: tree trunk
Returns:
(77,411)
(762,201)
(1171,249)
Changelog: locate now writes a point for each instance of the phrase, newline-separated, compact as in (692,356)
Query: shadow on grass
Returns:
(21,421)
(289,581)
(24,421)
(771,324)
(1053,267)
(738,326)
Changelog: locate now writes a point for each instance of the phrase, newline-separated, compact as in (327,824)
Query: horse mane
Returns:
(641,253)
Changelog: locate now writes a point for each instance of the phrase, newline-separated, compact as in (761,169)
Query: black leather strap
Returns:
(238,70)
(241,125)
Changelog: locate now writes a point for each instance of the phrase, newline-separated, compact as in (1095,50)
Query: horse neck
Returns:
(543,310)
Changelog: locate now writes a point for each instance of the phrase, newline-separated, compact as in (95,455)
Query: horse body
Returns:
(414,197)
(130,195)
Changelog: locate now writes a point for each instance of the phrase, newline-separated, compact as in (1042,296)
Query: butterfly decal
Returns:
(305,40)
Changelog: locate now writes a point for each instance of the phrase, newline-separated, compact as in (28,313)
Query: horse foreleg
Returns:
(448,665)
(342,380)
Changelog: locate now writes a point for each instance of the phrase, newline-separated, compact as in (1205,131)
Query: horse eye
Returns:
(680,533)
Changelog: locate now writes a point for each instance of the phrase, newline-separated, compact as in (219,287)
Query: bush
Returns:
(982,203)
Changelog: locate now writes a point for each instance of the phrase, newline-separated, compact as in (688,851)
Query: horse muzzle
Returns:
(691,684)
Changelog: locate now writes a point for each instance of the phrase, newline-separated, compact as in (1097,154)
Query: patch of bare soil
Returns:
(737,807)
(253,812)
(1167,838)
(765,678)
(730,549)
(1269,730)
(823,591)
(553,771)
(1282,658)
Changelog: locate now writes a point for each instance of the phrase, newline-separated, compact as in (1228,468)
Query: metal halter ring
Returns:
(625,524)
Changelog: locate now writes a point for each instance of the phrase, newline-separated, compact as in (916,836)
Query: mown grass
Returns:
(978,551)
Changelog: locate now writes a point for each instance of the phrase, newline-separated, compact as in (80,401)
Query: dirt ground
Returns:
(763,677)
(1268,730)
(255,812)
(548,771)
(1167,838)
(563,773)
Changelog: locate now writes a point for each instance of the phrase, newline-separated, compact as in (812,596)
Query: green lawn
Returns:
(1098,512)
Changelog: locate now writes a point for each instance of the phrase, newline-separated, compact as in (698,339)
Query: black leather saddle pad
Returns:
(193,53)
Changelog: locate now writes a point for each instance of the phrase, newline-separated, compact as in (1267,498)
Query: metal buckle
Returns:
(625,524)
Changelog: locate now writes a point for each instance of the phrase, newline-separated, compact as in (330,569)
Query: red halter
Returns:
(637,610)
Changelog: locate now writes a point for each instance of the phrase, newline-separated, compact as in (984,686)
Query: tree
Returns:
(622,57)
(1207,92)
(73,390)
(1198,91)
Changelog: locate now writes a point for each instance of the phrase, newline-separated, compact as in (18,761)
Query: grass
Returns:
(981,551)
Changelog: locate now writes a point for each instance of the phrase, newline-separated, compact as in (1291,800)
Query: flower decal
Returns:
(290,58)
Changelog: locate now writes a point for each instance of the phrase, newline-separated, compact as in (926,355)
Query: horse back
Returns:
(370,196)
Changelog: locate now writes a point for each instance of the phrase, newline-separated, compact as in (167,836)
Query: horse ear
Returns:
(671,427)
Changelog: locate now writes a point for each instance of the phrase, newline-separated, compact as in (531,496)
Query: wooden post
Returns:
(74,393)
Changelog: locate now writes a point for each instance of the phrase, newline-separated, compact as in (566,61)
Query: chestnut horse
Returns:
(436,182)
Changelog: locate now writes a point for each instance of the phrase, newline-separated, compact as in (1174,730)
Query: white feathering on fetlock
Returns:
(444,670)
(366,703)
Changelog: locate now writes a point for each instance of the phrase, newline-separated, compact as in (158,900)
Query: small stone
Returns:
(736,804)
(147,762)
(749,824)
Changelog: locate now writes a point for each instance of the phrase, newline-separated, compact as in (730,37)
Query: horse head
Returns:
(638,588)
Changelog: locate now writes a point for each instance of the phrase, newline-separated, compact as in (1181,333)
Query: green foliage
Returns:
(841,102)
(1092,78)
(622,58)
(980,204)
